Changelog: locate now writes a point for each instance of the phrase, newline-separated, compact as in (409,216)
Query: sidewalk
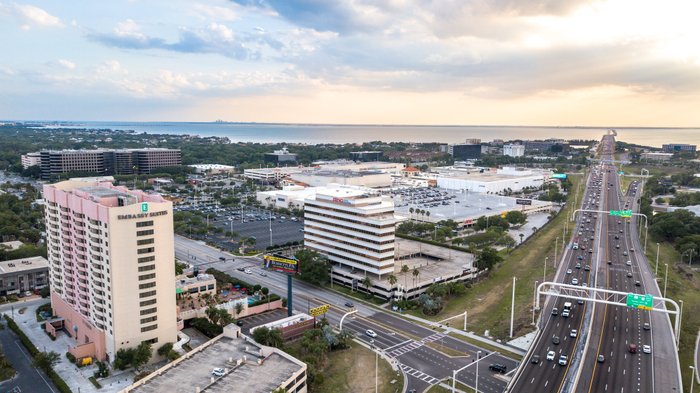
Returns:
(76,378)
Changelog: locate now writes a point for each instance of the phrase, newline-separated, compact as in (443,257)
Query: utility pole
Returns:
(556,244)
(656,273)
(512,314)
(544,272)
(534,301)
(665,279)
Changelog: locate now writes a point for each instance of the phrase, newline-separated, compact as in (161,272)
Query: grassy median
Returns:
(488,302)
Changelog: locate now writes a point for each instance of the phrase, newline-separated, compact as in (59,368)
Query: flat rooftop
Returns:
(464,205)
(341,173)
(257,374)
(20,265)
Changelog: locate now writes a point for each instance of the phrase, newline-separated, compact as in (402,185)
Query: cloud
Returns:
(67,64)
(209,12)
(216,38)
(30,15)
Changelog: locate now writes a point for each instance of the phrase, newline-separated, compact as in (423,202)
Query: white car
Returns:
(550,355)
(218,372)
(371,333)
(646,348)
(563,360)
(248,271)
(573,333)
(574,281)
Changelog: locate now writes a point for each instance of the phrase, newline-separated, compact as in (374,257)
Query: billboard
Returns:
(559,176)
(281,263)
(523,201)
(320,310)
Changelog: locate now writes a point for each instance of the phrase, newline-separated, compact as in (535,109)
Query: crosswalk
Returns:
(412,345)
(419,374)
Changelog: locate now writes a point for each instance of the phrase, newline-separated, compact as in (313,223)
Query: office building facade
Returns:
(514,150)
(366,155)
(106,161)
(110,253)
(464,152)
(281,157)
(21,275)
(353,227)
(678,147)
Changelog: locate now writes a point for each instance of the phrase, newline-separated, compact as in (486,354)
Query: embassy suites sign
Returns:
(141,215)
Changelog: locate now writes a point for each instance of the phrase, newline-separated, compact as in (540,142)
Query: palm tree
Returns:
(367,283)
(239,309)
(427,214)
(410,210)
(416,273)
(392,280)
(404,269)
(521,238)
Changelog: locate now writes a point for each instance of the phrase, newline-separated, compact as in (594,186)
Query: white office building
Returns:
(514,150)
(353,227)
(490,180)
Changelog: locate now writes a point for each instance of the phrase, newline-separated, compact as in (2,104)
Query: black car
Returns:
(555,340)
(535,359)
(499,368)
(349,304)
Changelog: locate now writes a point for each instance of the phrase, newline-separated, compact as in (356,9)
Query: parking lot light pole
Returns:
(657,260)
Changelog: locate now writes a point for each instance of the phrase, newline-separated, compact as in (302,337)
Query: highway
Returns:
(414,348)
(578,263)
(610,365)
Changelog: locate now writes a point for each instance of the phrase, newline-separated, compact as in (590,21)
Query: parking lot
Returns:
(252,222)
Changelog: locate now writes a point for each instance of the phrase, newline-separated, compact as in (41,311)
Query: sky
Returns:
(469,62)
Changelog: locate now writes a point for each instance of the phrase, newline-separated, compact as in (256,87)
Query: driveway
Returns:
(28,379)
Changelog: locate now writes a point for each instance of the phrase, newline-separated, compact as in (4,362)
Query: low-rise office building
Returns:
(366,155)
(322,178)
(213,169)
(281,157)
(270,175)
(678,147)
(656,156)
(20,275)
(513,150)
(490,180)
(243,366)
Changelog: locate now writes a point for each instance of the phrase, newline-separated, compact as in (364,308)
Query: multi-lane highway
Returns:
(559,338)
(414,348)
(616,349)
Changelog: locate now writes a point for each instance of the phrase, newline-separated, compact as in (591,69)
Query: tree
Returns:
(265,291)
(270,337)
(46,360)
(410,210)
(239,308)
(488,258)
(142,355)
(213,314)
(404,270)
(314,267)
(521,238)
(392,280)
(367,283)
(515,217)
(416,273)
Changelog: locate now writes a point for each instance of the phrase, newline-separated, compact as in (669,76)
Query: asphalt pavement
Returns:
(27,379)
(278,230)
(412,348)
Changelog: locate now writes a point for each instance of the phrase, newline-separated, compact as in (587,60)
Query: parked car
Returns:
(218,372)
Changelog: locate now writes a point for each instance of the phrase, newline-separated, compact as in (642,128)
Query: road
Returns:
(28,379)
(616,327)
(555,334)
(414,348)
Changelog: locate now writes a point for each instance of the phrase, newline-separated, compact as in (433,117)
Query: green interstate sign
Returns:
(621,213)
(643,302)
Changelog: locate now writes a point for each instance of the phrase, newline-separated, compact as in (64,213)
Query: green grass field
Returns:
(683,284)
(489,302)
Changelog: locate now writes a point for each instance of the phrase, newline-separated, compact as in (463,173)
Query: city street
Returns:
(414,348)
(28,378)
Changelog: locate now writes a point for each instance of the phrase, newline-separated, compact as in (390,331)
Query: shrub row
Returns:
(55,378)
(272,297)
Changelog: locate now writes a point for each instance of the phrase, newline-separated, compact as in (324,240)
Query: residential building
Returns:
(247,367)
(30,159)
(465,151)
(678,147)
(354,227)
(106,161)
(514,150)
(366,155)
(198,285)
(20,275)
(281,157)
(111,253)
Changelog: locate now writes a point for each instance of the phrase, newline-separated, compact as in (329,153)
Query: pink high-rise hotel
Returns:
(111,260)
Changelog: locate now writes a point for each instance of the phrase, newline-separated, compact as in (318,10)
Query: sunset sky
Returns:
(506,62)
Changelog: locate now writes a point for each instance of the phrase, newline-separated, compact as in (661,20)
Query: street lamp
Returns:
(478,357)
(680,321)
(534,301)
(692,378)
(656,273)
(665,278)
(544,270)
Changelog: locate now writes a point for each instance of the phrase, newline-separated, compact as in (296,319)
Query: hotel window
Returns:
(149,311)
(149,328)
(144,233)
(147,276)
(147,259)
(147,302)
(144,224)
(144,242)
(147,285)
(145,250)
(146,268)
(147,294)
